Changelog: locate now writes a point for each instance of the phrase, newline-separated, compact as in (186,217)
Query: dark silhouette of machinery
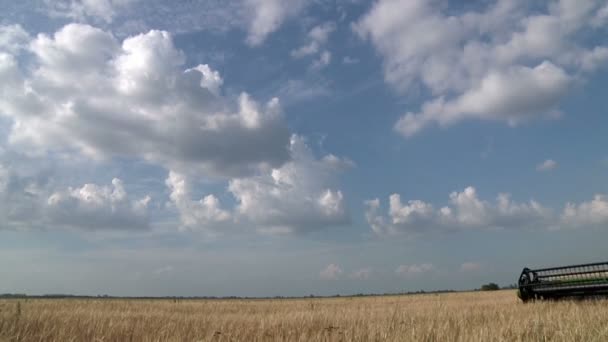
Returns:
(578,281)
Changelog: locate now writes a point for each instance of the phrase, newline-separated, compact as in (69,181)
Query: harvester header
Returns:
(586,280)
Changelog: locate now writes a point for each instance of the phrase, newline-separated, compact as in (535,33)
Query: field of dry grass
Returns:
(481,316)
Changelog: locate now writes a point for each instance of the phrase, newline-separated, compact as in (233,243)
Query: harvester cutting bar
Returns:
(568,281)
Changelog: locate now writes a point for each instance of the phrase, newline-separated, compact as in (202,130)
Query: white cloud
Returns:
(331,272)
(594,59)
(90,93)
(13,38)
(414,269)
(21,201)
(297,197)
(465,211)
(268,15)
(323,61)
(547,165)
(205,213)
(592,213)
(97,207)
(317,38)
(470,267)
(362,274)
(514,96)
(32,202)
(350,60)
(210,78)
(376,221)
(502,63)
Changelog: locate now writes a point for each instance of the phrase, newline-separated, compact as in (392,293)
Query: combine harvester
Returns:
(576,281)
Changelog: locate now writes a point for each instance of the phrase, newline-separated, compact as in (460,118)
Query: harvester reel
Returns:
(524,282)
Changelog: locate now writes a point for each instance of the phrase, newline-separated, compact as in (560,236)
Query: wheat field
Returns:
(473,316)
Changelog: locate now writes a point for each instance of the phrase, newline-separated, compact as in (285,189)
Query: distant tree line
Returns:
(485,287)
(490,287)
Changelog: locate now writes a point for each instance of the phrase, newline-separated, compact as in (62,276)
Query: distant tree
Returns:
(490,287)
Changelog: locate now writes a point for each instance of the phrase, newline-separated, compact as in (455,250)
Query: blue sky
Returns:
(266,147)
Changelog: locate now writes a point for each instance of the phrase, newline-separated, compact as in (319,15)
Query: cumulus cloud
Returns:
(547,165)
(98,207)
(88,92)
(374,218)
(297,197)
(514,95)
(200,214)
(331,272)
(503,63)
(27,202)
(465,211)
(591,213)
(414,269)
(210,79)
(268,15)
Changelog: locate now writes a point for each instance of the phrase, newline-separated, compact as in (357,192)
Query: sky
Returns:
(288,148)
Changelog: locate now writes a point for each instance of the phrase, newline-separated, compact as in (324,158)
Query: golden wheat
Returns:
(474,316)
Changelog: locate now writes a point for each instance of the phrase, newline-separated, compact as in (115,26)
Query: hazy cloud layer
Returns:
(470,266)
(414,269)
(257,19)
(362,274)
(127,17)
(81,10)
